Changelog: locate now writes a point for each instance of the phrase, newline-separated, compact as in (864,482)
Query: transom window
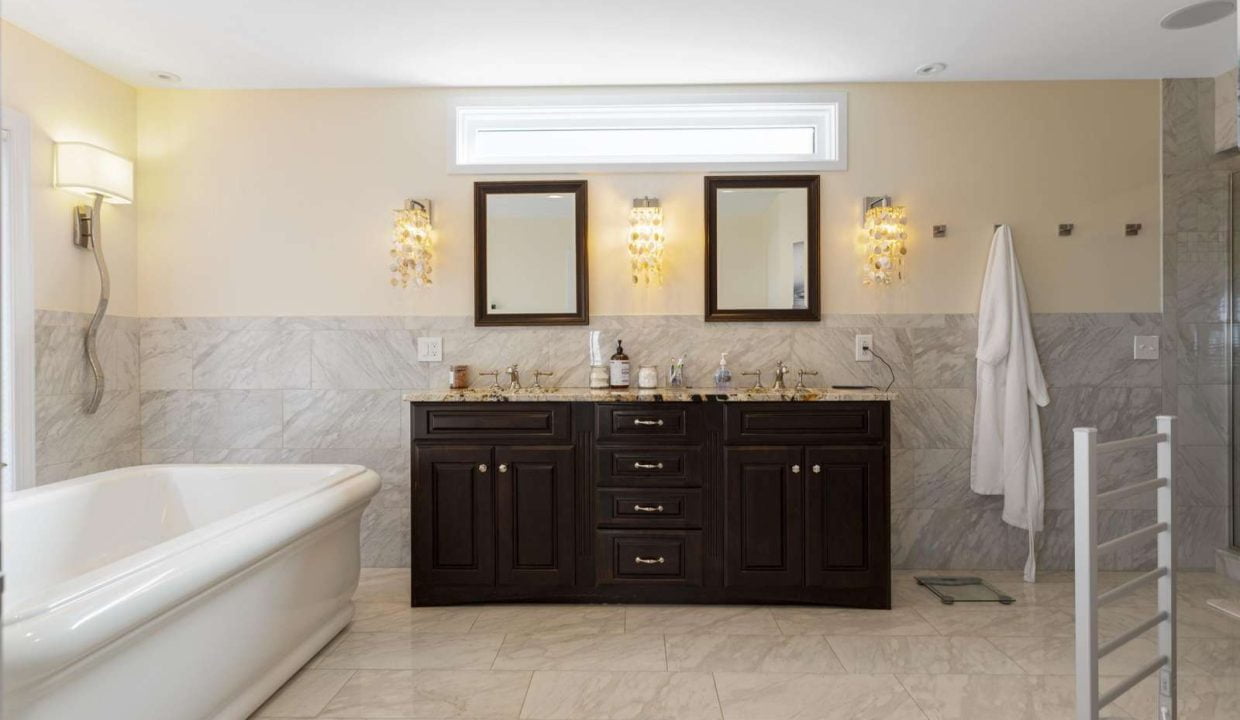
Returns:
(644,137)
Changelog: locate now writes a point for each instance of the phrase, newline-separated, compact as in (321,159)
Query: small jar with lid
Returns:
(647,377)
(458,377)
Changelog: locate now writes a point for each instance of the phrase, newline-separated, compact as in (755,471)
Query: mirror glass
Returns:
(530,247)
(762,236)
(762,242)
(531,253)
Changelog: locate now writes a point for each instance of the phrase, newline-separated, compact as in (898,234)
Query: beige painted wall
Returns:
(68,100)
(279,202)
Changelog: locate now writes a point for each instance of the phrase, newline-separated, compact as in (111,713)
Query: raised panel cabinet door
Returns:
(764,533)
(534,522)
(846,532)
(453,516)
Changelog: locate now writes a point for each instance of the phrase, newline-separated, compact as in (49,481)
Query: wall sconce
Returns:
(885,232)
(411,245)
(88,170)
(646,241)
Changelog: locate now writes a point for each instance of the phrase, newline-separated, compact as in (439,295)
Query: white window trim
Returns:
(471,112)
(18,286)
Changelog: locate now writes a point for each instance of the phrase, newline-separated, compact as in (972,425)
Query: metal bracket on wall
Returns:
(1065,229)
(1132,229)
(940,231)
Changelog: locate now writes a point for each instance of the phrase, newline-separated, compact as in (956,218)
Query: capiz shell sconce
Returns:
(646,241)
(411,245)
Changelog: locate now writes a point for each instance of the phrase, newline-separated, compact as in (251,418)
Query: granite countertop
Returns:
(653,395)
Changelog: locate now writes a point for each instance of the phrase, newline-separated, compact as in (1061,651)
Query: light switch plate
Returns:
(1145,347)
(864,343)
(430,349)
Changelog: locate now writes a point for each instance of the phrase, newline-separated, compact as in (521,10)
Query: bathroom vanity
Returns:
(651,496)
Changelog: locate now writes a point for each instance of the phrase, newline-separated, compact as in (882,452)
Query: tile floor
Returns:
(919,661)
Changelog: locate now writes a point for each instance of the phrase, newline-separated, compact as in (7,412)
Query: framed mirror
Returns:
(762,248)
(530,253)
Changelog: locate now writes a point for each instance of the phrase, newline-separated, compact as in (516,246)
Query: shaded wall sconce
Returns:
(885,232)
(646,241)
(89,170)
(411,245)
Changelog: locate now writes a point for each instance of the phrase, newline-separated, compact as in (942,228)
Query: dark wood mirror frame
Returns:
(813,280)
(481,315)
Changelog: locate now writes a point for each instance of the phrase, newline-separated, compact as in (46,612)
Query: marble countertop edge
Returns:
(650,395)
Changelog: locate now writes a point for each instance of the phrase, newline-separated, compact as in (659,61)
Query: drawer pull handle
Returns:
(649,561)
(641,421)
(647,508)
(817,469)
(482,468)
(796,469)
(647,466)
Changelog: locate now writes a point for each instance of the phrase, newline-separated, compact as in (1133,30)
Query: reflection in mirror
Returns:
(761,241)
(762,248)
(529,253)
(531,236)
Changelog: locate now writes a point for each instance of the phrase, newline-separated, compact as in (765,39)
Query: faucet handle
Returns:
(494,378)
(757,384)
(801,377)
(538,375)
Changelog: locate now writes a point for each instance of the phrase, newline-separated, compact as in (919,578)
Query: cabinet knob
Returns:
(482,467)
(796,469)
(649,561)
(504,468)
(817,469)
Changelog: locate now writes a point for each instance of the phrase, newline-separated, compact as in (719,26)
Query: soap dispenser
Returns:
(723,376)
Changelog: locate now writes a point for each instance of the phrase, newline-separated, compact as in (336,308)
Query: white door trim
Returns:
(19,296)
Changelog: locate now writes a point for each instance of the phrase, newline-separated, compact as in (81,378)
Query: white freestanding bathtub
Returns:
(175,592)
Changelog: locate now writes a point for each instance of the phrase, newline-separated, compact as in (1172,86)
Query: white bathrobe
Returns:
(1007,439)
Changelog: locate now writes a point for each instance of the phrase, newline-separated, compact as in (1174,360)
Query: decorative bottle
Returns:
(620,368)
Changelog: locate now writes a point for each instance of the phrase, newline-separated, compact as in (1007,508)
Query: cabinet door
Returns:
(534,499)
(764,517)
(453,511)
(845,516)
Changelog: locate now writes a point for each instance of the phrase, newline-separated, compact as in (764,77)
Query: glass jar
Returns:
(647,377)
(458,377)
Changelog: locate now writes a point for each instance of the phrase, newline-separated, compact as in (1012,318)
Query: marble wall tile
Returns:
(366,359)
(944,357)
(66,433)
(391,465)
(1204,414)
(253,456)
(1202,354)
(1116,412)
(832,351)
(166,420)
(1200,531)
(167,359)
(62,368)
(45,474)
(235,418)
(951,538)
(1185,145)
(1196,201)
(941,480)
(1056,544)
(1201,476)
(342,418)
(386,537)
(167,457)
(1114,470)
(1084,356)
(933,418)
(252,359)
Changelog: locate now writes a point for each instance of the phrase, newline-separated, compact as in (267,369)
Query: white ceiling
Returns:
(382,43)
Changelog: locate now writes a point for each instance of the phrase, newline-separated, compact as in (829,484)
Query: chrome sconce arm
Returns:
(87,235)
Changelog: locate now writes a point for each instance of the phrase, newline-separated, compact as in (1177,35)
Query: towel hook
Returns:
(1132,229)
(1065,229)
(940,231)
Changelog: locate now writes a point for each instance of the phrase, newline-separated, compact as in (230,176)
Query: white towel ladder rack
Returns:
(1089,699)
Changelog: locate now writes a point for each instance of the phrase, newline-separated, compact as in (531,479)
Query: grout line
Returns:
(525,698)
(714,680)
(916,704)
(352,672)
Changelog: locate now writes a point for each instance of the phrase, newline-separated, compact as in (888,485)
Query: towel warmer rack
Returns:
(1089,701)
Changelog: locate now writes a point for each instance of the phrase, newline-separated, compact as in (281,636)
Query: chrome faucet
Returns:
(781,370)
(514,377)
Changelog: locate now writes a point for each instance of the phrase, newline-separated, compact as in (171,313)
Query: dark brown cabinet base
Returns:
(652,502)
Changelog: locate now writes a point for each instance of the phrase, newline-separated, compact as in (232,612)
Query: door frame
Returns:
(17,285)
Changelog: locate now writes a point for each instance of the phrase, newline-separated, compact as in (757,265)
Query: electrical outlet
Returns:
(864,343)
(1145,347)
(430,349)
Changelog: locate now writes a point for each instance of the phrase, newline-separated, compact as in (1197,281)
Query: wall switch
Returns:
(1145,347)
(864,343)
(430,349)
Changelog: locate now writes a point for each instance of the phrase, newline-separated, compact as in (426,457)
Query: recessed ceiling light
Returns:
(931,68)
(166,76)
(1198,14)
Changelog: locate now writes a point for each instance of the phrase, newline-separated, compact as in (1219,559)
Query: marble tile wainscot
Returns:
(338,398)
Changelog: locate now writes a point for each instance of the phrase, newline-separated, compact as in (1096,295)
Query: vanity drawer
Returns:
(649,467)
(648,422)
(492,422)
(650,508)
(807,422)
(640,557)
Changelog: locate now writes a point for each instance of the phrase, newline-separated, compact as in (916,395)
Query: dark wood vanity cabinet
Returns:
(651,502)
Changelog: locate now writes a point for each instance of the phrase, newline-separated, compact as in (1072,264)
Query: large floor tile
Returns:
(430,694)
(752,653)
(414,651)
(1199,698)
(582,652)
(769,696)
(535,619)
(1003,621)
(557,695)
(383,585)
(399,617)
(717,619)
(840,621)
(929,655)
(1216,656)
(1057,656)
(305,694)
(995,697)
